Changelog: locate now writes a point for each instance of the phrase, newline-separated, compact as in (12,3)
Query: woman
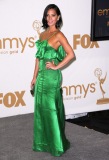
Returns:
(53,53)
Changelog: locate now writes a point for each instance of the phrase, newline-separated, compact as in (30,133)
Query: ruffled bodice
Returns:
(45,51)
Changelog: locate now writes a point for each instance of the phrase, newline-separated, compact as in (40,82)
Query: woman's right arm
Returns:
(35,72)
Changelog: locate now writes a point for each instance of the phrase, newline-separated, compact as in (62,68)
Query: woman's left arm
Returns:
(68,49)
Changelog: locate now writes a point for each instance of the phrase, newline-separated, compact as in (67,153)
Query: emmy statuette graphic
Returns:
(37,26)
(98,73)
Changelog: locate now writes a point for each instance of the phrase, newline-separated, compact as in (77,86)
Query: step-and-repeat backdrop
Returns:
(85,81)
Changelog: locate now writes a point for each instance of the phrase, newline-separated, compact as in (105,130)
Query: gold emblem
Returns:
(98,73)
(37,26)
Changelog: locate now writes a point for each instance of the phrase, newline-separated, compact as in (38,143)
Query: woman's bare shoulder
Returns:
(60,35)
(41,34)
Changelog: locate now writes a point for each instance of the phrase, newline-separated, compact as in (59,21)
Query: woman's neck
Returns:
(52,29)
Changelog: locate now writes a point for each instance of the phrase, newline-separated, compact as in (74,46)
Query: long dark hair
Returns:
(44,21)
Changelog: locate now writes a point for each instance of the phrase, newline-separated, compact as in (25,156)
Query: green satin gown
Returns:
(49,116)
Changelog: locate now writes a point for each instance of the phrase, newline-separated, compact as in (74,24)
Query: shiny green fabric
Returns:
(49,117)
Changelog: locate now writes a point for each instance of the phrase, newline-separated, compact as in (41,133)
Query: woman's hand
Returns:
(33,82)
(50,65)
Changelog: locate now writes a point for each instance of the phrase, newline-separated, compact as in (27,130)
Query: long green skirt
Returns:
(49,116)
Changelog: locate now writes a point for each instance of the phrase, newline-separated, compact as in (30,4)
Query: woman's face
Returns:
(52,17)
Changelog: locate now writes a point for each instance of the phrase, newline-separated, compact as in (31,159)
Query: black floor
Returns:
(98,121)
